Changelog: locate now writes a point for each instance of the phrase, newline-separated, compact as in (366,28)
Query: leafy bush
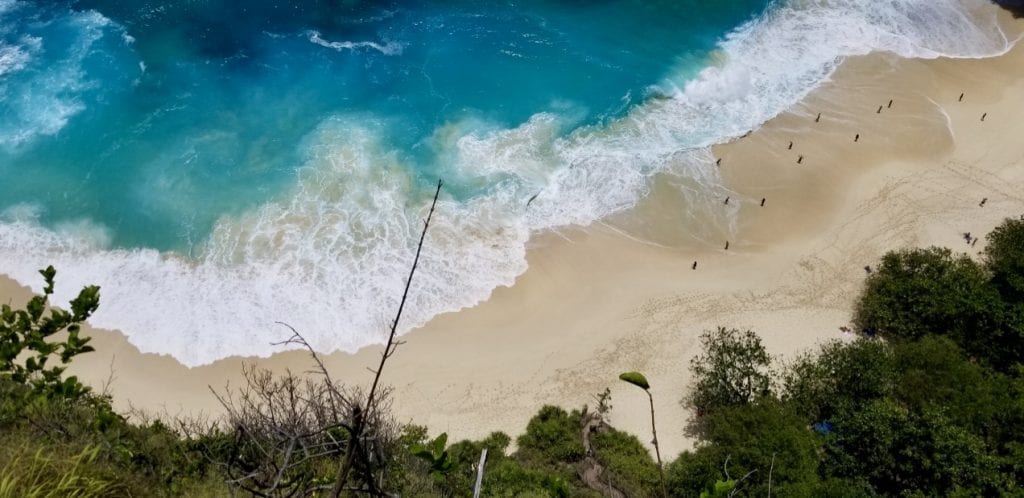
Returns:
(1004,257)
(839,379)
(930,291)
(25,348)
(733,369)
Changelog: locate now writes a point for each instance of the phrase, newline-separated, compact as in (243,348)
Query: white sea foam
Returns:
(388,48)
(40,94)
(330,256)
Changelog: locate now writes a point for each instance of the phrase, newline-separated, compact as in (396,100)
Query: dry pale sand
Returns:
(595,303)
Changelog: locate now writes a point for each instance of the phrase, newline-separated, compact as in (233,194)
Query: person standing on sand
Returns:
(762,201)
(694,265)
(890,103)
(791,145)
(983,201)
(727,245)
(856,138)
(817,119)
(983,116)
(879,111)
(961,98)
(800,159)
(726,201)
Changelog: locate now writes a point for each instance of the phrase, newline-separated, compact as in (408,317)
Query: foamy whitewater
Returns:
(328,251)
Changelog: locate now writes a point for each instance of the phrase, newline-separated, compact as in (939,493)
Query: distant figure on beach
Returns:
(726,200)
(973,242)
(867,269)
(694,267)
(762,201)
(856,138)
(879,111)
(727,245)
(961,98)
(983,201)
(817,119)
(890,103)
(983,116)
(718,162)
(800,159)
(790,145)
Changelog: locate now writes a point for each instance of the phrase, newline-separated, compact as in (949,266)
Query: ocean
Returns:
(217,168)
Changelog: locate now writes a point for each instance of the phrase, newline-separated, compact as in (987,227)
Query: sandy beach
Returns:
(622,295)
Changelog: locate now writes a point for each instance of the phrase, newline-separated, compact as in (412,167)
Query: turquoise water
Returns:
(178,113)
(217,168)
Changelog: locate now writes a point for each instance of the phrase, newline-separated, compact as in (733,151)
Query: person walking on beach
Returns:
(879,111)
(694,267)
(983,201)
(762,201)
(856,138)
(726,201)
(727,245)
(817,119)
(800,159)
(983,116)
(890,103)
(961,98)
(790,145)
(718,162)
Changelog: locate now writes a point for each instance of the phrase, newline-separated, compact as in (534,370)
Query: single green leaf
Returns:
(636,378)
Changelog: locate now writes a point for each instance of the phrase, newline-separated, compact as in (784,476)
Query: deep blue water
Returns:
(153,119)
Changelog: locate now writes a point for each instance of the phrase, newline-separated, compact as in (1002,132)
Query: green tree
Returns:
(766,440)
(733,369)
(26,346)
(552,439)
(840,378)
(899,451)
(1004,257)
(930,291)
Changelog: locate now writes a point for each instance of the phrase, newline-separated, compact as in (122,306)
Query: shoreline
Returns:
(594,302)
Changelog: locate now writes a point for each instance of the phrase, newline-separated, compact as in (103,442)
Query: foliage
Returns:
(766,439)
(25,348)
(930,291)
(552,439)
(733,369)
(895,449)
(42,476)
(628,464)
(636,378)
(839,379)
(1004,257)
(435,454)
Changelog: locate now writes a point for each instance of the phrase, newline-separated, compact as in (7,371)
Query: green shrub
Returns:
(733,369)
(627,463)
(25,348)
(840,378)
(930,291)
